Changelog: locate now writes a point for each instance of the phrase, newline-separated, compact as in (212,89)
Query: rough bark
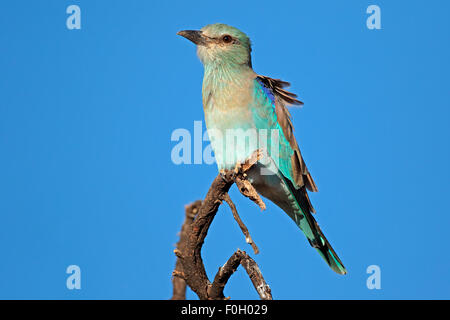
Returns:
(189,268)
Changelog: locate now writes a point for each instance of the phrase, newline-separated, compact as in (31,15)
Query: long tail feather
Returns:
(312,231)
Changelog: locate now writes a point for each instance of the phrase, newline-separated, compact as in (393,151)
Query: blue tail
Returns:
(304,219)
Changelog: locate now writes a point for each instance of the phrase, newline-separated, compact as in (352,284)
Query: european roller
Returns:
(252,109)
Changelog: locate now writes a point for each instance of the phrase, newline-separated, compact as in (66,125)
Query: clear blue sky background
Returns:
(86,117)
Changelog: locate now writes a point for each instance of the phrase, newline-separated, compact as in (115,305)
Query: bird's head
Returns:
(220,43)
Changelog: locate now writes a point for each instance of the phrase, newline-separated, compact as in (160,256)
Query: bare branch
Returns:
(215,291)
(189,268)
(246,189)
(241,224)
(191,260)
(178,276)
(256,276)
(244,186)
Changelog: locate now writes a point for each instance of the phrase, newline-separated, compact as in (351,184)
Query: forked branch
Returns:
(189,268)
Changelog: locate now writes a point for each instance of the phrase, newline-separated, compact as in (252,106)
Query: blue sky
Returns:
(86,176)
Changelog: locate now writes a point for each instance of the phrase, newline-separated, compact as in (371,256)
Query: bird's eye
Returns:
(227,39)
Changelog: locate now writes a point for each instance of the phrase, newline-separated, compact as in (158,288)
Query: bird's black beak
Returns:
(195,36)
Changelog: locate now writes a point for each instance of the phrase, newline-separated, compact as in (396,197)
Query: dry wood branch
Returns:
(241,224)
(178,276)
(190,249)
(189,268)
(246,188)
(256,276)
(223,275)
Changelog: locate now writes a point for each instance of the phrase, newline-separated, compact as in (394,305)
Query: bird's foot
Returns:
(237,167)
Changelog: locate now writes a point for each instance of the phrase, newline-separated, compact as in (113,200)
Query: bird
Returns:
(238,100)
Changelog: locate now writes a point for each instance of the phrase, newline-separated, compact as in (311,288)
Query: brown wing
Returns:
(282,98)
